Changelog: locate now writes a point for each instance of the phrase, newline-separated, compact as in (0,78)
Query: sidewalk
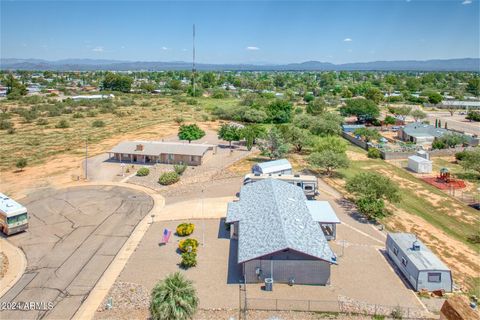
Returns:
(17,264)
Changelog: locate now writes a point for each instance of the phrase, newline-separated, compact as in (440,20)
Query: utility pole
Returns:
(86,158)
(193,61)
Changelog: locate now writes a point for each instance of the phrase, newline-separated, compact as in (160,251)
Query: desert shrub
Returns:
(42,122)
(98,124)
(461,155)
(397,313)
(374,153)
(5,124)
(189,259)
(180,168)
(11,130)
(143,172)
(91,114)
(78,115)
(185,229)
(62,124)
(474,238)
(189,244)
(21,163)
(168,178)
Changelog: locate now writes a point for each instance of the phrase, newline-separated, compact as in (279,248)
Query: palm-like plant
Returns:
(173,298)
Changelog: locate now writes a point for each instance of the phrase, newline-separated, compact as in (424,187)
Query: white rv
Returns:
(308,184)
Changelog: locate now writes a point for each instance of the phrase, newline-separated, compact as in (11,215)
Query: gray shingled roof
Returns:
(155,148)
(273,216)
(423,259)
(417,129)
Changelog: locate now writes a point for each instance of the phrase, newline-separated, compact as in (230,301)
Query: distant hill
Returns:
(466,64)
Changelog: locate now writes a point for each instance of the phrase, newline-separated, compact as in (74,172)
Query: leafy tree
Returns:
(402,111)
(198,92)
(117,82)
(21,163)
(190,132)
(449,140)
(367,135)
(373,185)
(14,87)
(308,98)
(148,87)
(363,109)
(254,116)
(374,94)
(173,298)
(418,115)
(229,133)
(473,115)
(274,146)
(316,107)
(295,136)
(304,121)
(332,143)
(374,153)
(279,111)
(326,125)
(389,120)
(473,86)
(328,160)
(251,133)
(434,97)
(371,207)
(471,160)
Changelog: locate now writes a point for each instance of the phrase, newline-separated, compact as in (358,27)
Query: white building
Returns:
(419,164)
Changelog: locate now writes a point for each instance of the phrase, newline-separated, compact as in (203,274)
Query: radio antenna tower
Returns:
(193,61)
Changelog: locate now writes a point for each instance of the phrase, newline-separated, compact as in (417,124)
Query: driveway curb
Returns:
(17,263)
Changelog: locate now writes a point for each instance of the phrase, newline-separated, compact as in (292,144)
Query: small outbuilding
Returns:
(420,266)
(419,164)
(281,166)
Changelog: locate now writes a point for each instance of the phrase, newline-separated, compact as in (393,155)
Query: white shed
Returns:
(281,166)
(419,164)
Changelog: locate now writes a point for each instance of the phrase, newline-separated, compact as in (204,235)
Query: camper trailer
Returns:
(308,184)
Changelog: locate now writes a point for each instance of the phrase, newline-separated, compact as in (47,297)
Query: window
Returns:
(299,184)
(192,158)
(395,251)
(18,218)
(308,188)
(404,262)
(434,277)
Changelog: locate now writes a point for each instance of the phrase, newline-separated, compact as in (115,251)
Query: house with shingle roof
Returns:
(277,236)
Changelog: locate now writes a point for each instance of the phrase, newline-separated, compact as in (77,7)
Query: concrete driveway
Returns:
(74,235)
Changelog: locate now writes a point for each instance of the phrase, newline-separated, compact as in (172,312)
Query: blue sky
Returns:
(241,32)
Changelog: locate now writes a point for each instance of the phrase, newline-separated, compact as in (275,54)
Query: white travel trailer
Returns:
(308,184)
(281,166)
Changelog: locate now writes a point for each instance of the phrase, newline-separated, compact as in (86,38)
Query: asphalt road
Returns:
(73,236)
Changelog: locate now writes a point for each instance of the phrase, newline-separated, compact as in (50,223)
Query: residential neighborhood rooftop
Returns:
(274,216)
(423,259)
(159,147)
(417,129)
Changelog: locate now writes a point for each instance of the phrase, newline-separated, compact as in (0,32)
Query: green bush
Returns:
(42,122)
(78,115)
(5,124)
(461,155)
(62,124)
(168,178)
(473,115)
(374,153)
(91,114)
(372,208)
(189,259)
(98,124)
(143,172)
(180,168)
(21,163)
(185,229)
(189,244)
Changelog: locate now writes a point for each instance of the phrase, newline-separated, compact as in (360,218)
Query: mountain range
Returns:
(465,64)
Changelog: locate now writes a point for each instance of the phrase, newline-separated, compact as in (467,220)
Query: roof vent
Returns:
(416,246)
(257,174)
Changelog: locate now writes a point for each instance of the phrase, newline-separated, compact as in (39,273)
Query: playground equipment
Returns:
(444,181)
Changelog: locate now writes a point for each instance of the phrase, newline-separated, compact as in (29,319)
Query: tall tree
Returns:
(328,160)
(117,82)
(274,146)
(229,133)
(363,109)
(190,132)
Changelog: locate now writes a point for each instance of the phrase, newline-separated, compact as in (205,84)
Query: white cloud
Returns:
(184,50)
(467,2)
(252,48)
(164,48)
(347,40)
(98,49)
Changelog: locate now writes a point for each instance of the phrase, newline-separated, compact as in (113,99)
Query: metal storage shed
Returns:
(281,166)
(277,236)
(420,266)
(419,164)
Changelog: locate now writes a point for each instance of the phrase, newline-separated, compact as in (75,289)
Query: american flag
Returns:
(166,235)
